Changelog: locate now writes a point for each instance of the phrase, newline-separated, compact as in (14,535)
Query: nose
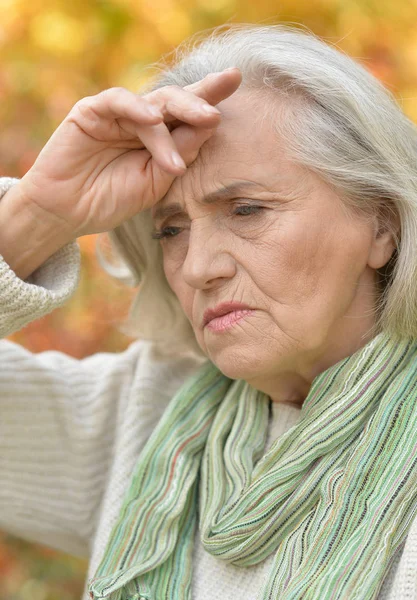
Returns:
(208,261)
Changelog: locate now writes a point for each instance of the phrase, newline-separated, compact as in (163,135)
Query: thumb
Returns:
(189,140)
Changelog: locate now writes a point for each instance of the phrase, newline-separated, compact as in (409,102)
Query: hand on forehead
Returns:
(244,148)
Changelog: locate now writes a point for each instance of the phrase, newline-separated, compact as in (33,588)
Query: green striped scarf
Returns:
(332,500)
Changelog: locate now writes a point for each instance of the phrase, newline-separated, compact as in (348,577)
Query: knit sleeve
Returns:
(58,415)
(49,287)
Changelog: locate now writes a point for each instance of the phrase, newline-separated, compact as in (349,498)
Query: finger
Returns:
(117,103)
(160,143)
(189,108)
(216,87)
(184,105)
(189,140)
(210,90)
(157,138)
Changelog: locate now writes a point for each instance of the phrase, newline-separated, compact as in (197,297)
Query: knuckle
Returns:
(83,111)
(170,88)
(160,94)
(82,107)
(83,102)
(112,92)
(173,86)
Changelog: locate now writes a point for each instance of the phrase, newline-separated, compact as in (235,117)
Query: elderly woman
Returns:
(259,438)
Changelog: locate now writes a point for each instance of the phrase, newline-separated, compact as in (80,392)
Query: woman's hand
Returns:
(111,157)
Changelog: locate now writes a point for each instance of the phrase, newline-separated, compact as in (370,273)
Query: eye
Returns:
(247,210)
(165,232)
(243,210)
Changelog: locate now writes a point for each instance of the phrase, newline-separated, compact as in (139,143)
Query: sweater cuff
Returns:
(47,288)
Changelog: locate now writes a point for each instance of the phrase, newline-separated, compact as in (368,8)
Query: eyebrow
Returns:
(223,193)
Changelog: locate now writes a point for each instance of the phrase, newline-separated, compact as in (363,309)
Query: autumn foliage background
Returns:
(54,52)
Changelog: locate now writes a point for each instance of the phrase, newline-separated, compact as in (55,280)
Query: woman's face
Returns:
(297,257)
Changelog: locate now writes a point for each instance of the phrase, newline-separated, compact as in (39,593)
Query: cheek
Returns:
(171,275)
(303,256)
(288,260)
(176,282)
(326,261)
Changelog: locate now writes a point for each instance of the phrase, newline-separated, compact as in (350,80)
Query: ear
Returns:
(383,242)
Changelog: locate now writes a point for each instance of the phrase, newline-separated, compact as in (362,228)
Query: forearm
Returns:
(28,237)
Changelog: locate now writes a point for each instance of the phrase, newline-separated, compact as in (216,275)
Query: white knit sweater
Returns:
(71,431)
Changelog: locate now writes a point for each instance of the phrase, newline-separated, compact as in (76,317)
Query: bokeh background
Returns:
(54,52)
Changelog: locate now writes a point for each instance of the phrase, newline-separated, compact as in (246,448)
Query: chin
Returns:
(238,366)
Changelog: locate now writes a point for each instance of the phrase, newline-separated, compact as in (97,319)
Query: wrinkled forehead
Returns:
(245,145)
(247,130)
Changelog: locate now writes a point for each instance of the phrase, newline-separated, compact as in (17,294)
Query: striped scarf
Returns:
(332,500)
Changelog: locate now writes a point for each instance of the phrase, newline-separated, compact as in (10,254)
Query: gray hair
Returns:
(349,130)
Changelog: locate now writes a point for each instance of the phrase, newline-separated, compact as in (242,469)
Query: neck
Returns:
(292,387)
(291,380)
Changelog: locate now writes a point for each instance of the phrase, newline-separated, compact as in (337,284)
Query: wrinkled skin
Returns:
(304,262)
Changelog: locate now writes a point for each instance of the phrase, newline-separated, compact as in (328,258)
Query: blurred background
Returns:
(54,52)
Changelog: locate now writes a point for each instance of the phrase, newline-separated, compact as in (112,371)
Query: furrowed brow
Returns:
(223,193)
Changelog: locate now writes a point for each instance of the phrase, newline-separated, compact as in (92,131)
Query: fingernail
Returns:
(177,160)
(230,69)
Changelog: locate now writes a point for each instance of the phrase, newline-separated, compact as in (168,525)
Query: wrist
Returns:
(28,236)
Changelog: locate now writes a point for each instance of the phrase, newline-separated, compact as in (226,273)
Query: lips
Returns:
(222,309)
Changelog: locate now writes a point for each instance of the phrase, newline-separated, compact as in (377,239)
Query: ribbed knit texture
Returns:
(21,303)
(71,432)
(333,500)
